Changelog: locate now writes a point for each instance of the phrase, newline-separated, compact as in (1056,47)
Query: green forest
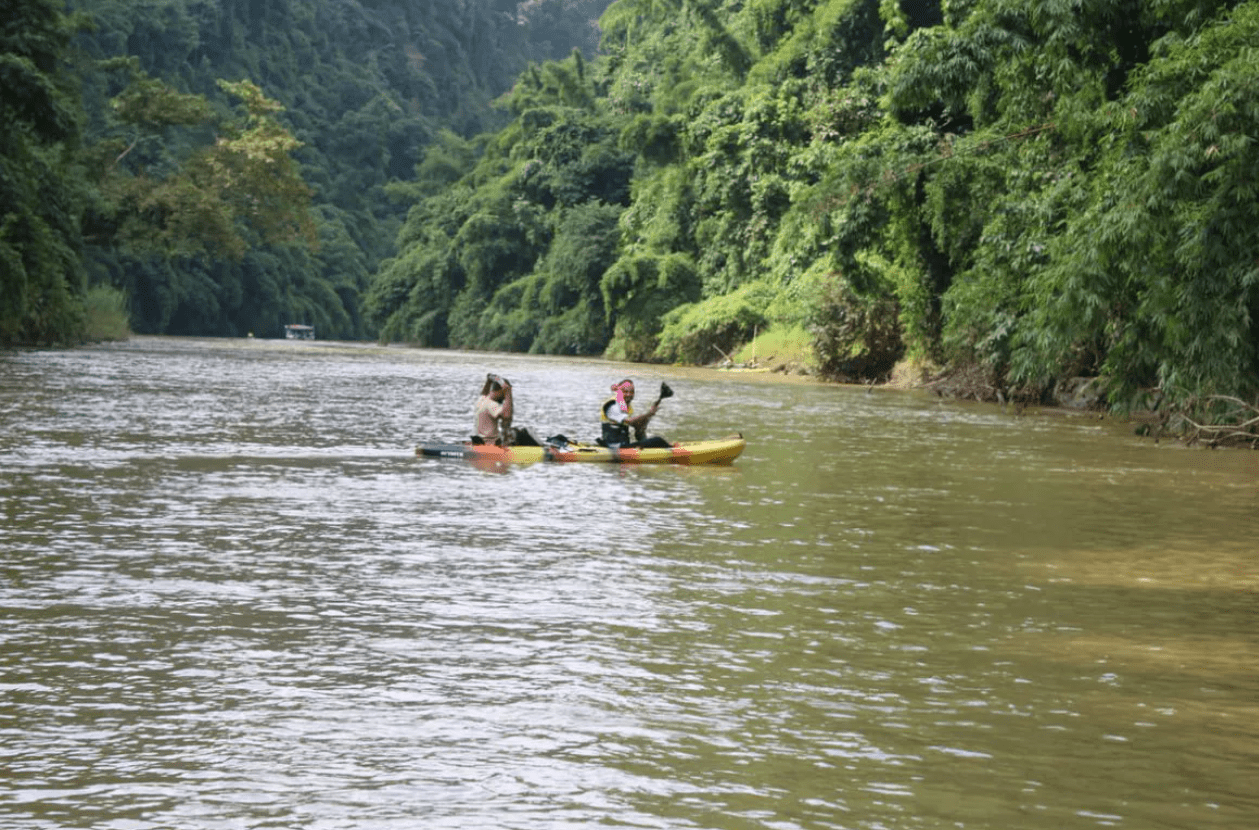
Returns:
(1018,193)
(229,165)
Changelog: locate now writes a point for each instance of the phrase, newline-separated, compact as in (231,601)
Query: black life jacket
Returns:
(613,432)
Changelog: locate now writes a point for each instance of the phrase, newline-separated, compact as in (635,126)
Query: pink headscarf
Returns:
(620,389)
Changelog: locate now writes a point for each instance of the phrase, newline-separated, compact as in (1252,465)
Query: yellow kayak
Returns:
(718,451)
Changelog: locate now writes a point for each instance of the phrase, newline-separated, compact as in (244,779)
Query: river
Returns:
(232,597)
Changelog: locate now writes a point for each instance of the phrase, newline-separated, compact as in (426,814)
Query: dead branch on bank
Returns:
(1234,428)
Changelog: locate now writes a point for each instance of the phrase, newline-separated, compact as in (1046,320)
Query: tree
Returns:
(41,278)
(241,186)
(511,256)
(173,230)
(1159,273)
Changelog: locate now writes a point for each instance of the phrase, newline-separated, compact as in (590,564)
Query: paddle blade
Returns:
(665,391)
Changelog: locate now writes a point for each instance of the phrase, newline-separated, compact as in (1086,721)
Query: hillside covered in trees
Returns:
(1025,192)
(220,214)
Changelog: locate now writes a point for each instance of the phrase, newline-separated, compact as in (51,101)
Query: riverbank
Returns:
(794,364)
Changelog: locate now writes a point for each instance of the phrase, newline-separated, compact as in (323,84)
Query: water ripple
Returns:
(232,597)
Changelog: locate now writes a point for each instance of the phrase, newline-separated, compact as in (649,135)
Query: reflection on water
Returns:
(232,596)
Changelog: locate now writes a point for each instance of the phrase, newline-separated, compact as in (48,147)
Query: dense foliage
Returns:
(229,163)
(1034,190)
(1030,191)
(41,276)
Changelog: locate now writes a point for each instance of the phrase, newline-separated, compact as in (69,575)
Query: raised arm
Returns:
(508,409)
(640,420)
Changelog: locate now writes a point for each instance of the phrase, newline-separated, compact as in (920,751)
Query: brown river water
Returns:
(232,597)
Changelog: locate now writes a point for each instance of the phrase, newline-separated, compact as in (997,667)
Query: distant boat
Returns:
(296,331)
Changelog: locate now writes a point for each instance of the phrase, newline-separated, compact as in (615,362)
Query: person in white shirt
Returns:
(617,418)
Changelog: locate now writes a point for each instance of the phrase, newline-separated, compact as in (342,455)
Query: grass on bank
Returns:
(791,350)
(782,349)
(106,315)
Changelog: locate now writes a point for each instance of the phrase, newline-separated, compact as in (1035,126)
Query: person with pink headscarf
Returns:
(617,418)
